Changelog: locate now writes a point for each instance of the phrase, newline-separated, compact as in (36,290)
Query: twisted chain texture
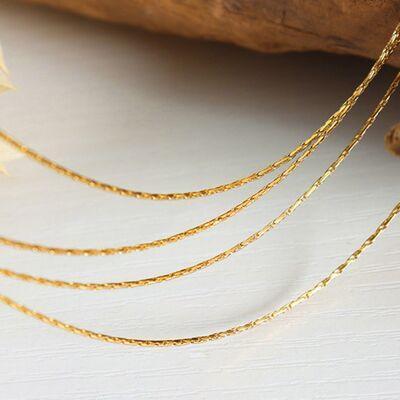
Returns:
(315,140)
(216,335)
(318,137)
(109,251)
(255,236)
(266,317)
(388,50)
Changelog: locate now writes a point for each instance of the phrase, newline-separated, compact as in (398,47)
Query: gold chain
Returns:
(216,335)
(387,51)
(313,142)
(109,251)
(255,236)
(155,196)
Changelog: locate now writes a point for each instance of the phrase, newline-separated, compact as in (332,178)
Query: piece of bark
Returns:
(359,27)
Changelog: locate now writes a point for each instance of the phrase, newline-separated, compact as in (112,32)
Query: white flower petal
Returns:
(7,154)
(5,83)
(3,66)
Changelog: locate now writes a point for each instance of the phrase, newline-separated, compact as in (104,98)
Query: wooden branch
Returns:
(359,27)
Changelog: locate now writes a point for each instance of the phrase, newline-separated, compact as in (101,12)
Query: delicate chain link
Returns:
(212,336)
(255,236)
(320,135)
(388,50)
(313,142)
(109,251)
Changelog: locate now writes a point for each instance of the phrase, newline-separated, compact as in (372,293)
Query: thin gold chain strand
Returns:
(156,196)
(6,241)
(387,51)
(216,335)
(255,236)
(108,251)
(328,127)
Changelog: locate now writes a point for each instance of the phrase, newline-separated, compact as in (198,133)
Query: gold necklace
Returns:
(313,142)
(225,254)
(197,229)
(109,251)
(387,51)
(267,317)
(216,335)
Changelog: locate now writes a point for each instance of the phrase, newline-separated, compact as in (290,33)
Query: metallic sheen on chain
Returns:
(216,335)
(388,50)
(313,142)
(221,256)
(309,147)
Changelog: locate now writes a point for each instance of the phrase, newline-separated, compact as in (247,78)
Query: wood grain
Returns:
(339,26)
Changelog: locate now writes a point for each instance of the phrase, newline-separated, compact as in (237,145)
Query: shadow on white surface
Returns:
(169,114)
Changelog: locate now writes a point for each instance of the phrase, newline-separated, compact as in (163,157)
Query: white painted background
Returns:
(160,113)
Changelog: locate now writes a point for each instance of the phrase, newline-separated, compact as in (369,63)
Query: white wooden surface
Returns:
(161,113)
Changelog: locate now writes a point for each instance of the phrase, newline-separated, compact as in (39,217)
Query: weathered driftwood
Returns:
(358,27)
